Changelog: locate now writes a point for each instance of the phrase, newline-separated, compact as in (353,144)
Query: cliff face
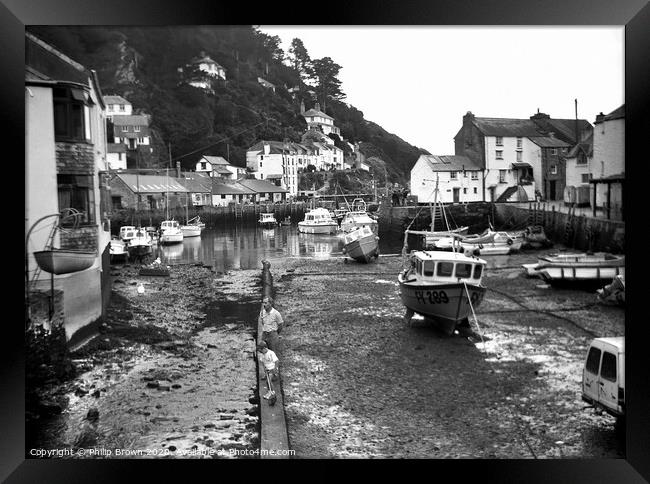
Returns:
(142,64)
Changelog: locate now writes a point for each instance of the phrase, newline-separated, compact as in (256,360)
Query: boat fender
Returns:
(509,241)
(477,252)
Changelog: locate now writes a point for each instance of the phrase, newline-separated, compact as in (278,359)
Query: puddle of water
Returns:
(243,311)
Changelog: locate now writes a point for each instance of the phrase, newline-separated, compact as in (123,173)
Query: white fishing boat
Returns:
(117,249)
(140,246)
(487,243)
(318,221)
(170,232)
(127,232)
(442,286)
(581,267)
(267,220)
(193,227)
(358,217)
(361,244)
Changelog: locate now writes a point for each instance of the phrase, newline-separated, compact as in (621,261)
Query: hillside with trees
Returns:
(142,65)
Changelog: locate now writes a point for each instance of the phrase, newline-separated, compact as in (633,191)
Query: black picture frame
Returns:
(634,14)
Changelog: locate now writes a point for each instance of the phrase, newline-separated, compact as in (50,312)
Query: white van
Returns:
(603,376)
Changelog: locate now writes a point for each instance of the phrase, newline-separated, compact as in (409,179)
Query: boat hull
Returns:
(329,228)
(446,304)
(118,250)
(191,230)
(579,273)
(171,238)
(64,261)
(363,249)
(138,250)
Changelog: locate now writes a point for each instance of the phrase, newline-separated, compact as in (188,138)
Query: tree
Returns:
(329,86)
(300,59)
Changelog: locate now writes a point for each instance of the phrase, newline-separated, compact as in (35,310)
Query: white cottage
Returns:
(459,179)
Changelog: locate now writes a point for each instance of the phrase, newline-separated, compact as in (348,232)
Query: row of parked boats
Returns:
(358,228)
(137,242)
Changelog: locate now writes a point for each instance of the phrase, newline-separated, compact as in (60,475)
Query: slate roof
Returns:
(313,112)
(235,188)
(47,63)
(450,163)
(222,170)
(215,160)
(616,114)
(261,186)
(548,142)
(194,185)
(131,120)
(151,183)
(507,127)
(113,99)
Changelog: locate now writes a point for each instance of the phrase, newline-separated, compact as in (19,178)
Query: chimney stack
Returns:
(302,107)
(317,106)
(178,169)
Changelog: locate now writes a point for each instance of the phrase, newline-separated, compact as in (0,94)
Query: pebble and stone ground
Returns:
(359,383)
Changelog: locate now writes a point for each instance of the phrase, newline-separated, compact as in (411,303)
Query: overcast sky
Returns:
(418,82)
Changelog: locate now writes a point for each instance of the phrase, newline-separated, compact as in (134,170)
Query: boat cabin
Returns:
(318,215)
(357,234)
(169,224)
(127,232)
(267,218)
(444,267)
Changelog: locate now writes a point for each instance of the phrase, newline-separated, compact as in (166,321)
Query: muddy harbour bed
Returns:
(173,373)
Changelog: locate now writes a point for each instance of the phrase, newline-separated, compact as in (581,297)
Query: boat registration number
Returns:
(440,297)
(433,297)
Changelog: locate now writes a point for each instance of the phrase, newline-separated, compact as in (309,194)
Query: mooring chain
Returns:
(480,333)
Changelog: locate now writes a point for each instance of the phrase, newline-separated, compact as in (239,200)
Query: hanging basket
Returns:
(64,261)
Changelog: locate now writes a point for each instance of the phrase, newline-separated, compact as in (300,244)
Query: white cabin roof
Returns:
(446,256)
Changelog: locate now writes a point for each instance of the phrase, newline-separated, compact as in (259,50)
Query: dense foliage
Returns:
(142,64)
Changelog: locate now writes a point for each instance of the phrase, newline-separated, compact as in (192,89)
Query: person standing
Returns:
(271,322)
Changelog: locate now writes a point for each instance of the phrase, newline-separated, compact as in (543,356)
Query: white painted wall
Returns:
(114,110)
(609,148)
(422,184)
(531,153)
(116,161)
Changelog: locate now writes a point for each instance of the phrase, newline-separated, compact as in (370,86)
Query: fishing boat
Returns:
(318,221)
(267,220)
(361,244)
(613,292)
(581,267)
(64,261)
(358,217)
(170,232)
(117,249)
(488,243)
(127,232)
(442,286)
(140,246)
(192,227)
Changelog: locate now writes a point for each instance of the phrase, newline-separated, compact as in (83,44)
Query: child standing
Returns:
(270,361)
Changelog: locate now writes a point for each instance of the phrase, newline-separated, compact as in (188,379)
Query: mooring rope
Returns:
(519,420)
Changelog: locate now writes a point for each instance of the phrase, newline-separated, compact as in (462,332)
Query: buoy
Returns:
(140,289)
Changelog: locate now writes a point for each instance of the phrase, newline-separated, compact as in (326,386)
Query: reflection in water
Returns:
(240,247)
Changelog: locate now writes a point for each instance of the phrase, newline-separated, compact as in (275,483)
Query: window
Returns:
(593,360)
(136,129)
(122,107)
(465,191)
(69,114)
(453,175)
(608,366)
(475,175)
(223,197)
(475,190)
(428,268)
(554,151)
(111,107)
(519,155)
(499,154)
(204,165)
(519,140)
(499,140)
(445,269)
(261,158)
(76,191)
(586,177)
(502,176)
(553,169)
(260,164)
(463,270)
(478,270)
(565,150)
(116,203)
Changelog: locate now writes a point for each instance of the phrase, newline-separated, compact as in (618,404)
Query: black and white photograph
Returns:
(333,242)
